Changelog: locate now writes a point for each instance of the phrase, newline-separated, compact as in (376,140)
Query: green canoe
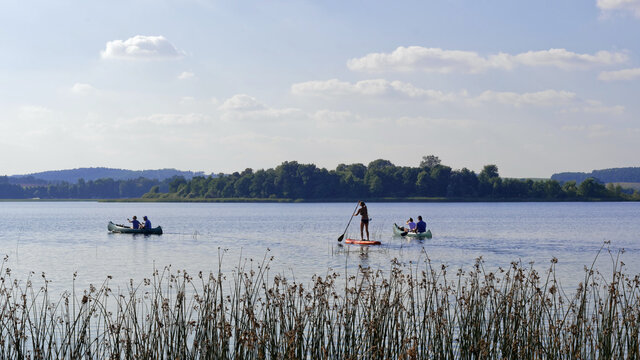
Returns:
(116,228)
(424,235)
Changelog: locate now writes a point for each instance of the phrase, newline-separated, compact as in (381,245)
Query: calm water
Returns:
(60,238)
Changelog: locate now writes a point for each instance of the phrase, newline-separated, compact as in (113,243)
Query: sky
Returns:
(534,87)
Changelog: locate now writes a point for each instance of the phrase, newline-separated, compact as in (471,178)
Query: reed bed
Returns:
(412,311)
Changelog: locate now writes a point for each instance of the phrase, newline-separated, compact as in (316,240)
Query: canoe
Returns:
(424,235)
(361,242)
(117,228)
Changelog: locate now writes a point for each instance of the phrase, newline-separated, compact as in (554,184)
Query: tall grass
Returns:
(410,312)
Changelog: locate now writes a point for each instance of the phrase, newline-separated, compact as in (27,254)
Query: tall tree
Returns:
(429,161)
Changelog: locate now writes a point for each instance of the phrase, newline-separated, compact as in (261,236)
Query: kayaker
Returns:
(421,226)
(147,223)
(364,219)
(134,223)
(411,226)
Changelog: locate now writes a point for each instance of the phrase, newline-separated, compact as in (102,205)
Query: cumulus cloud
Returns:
(374,87)
(241,102)
(539,98)
(245,107)
(380,87)
(417,58)
(186,75)
(80,88)
(168,119)
(632,6)
(141,47)
(625,74)
(595,107)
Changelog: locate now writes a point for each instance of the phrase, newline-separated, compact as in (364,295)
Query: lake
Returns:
(60,238)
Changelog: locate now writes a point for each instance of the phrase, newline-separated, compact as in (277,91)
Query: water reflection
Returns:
(62,238)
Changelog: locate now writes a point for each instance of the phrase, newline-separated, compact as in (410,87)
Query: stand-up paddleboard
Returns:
(361,242)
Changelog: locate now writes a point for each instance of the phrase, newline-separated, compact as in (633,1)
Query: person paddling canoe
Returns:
(364,219)
(135,223)
(421,226)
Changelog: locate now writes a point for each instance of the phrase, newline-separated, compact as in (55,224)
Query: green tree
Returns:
(488,181)
(429,161)
(591,188)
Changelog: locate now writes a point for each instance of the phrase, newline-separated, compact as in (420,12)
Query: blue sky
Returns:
(535,87)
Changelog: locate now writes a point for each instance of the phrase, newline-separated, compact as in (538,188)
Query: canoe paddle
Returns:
(349,223)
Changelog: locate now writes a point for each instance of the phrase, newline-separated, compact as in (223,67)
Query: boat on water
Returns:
(361,242)
(425,235)
(117,228)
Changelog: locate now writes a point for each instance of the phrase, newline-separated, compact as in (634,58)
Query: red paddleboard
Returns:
(361,242)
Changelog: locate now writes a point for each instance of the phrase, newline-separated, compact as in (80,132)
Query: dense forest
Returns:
(615,175)
(379,180)
(382,179)
(96,173)
(98,189)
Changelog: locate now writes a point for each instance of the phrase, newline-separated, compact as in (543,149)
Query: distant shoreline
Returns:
(267,200)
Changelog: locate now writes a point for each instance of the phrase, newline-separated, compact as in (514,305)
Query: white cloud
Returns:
(428,122)
(596,107)
(539,98)
(591,131)
(379,87)
(245,107)
(417,58)
(620,5)
(80,88)
(141,47)
(168,120)
(34,112)
(186,100)
(186,75)
(331,118)
(567,60)
(241,102)
(625,74)
(375,87)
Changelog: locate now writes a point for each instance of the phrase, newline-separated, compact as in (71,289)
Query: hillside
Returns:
(73,175)
(614,175)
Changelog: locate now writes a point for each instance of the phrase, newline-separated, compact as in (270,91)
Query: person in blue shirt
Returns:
(134,223)
(147,223)
(421,226)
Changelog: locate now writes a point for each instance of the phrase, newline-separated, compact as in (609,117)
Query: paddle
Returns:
(349,223)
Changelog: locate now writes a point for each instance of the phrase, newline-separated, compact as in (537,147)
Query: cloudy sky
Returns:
(535,87)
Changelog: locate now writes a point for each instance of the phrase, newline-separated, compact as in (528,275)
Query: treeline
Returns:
(92,189)
(626,174)
(97,173)
(382,179)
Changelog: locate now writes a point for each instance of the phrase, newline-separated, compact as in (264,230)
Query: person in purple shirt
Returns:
(134,223)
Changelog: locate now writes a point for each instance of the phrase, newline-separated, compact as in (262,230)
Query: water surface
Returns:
(60,238)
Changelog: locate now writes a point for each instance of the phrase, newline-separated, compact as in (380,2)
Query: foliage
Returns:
(99,189)
(625,174)
(380,179)
(96,173)
(295,181)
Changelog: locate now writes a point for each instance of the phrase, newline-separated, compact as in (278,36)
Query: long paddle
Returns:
(349,223)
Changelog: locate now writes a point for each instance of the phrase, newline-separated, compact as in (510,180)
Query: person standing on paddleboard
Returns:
(364,219)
